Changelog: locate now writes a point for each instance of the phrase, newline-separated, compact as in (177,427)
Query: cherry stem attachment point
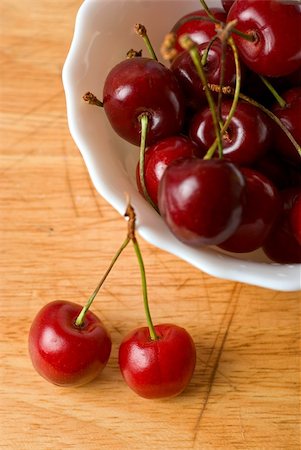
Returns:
(81,317)
(130,213)
(188,44)
(141,31)
(92,99)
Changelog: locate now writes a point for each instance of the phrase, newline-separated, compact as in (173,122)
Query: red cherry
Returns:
(201,200)
(261,208)
(158,157)
(200,31)
(290,116)
(142,85)
(247,137)
(63,353)
(227,4)
(189,80)
(276,27)
(281,244)
(157,368)
(295,219)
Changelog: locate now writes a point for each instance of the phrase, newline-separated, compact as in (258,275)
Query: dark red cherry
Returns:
(290,116)
(158,157)
(227,4)
(276,27)
(282,174)
(247,137)
(261,208)
(142,85)
(202,200)
(281,244)
(295,218)
(189,80)
(199,30)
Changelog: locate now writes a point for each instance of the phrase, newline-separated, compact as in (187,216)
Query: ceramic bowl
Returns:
(102,36)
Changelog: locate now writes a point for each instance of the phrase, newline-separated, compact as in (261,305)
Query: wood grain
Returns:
(57,237)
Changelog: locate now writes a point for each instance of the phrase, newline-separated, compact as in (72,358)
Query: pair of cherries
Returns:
(70,346)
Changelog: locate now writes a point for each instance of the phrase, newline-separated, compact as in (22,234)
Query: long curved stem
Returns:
(213,147)
(189,45)
(81,317)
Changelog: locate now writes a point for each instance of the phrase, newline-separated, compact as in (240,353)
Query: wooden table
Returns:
(57,238)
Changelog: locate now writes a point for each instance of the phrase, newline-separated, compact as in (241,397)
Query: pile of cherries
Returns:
(220,159)
(245,194)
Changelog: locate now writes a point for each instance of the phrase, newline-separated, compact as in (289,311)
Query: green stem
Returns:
(81,317)
(149,321)
(206,8)
(143,118)
(141,31)
(247,36)
(273,91)
(207,50)
(213,147)
(275,119)
(188,44)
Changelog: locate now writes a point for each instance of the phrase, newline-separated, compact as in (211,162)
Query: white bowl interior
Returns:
(103,34)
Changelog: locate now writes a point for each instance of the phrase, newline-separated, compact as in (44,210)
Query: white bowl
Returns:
(103,34)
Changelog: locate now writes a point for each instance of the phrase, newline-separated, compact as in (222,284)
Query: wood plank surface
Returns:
(57,238)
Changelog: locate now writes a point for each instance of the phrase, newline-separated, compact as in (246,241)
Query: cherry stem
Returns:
(251,37)
(230,91)
(273,91)
(206,8)
(141,31)
(81,317)
(188,44)
(92,99)
(236,94)
(144,119)
(207,50)
(132,221)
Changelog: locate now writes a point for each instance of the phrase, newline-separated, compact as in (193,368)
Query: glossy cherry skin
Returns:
(199,30)
(276,27)
(261,208)
(189,80)
(158,157)
(295,218)
(247,138)
(290,116)
(227,4)
(282,245)
(63,353)
(201,201)
(142,85)
(159,368)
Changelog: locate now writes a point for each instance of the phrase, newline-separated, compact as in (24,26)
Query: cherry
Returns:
(227,4)
(155,361)
(295,218)
(246,139)
(261,208)
(275,26)
(290,116)
(64,353)
(202,200)
(200,31)
(143,86)
(189,80)
(157,368)
(281,244)
(158,157)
